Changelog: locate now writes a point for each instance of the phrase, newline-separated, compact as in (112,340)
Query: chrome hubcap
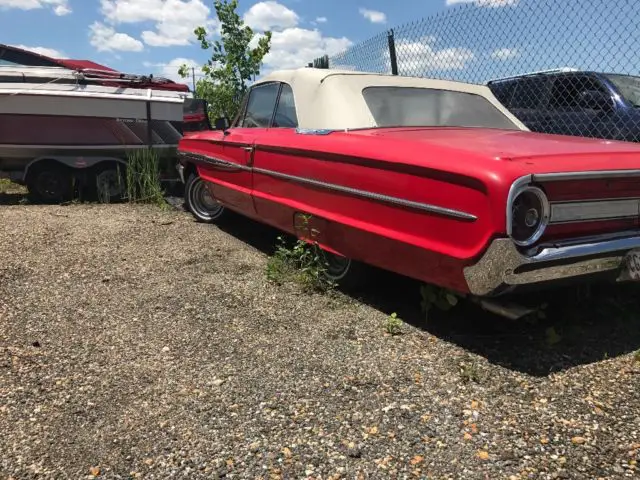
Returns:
(203,203)
(337,266)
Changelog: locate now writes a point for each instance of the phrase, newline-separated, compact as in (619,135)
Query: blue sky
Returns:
(469,40)
(155,35)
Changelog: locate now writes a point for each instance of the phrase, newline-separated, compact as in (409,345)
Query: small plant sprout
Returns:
(440,298)
(393,324)
(469,372)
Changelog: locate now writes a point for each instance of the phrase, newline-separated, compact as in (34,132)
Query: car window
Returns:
(503,92)
(286,116)
(411,106)
(629,87)
(566,91)
(260,106)
(529,93)
(237,121)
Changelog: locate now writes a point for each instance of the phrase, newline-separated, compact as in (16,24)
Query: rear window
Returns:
(427,107)
(529,93)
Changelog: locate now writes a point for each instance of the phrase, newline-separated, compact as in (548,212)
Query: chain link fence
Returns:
(562,67)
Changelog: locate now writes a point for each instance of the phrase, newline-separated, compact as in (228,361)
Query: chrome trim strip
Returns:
(221,164)
(565,252)
(496,271)
(605,209)
(589,175)
(337,188)
(314,131)
(371,195)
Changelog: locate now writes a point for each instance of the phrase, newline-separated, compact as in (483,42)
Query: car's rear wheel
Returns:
(343,271)
(204,207)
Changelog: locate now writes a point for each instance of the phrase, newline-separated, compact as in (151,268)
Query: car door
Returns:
(273,193)
(233,181)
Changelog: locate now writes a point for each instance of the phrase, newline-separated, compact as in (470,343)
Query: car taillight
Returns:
(529,216)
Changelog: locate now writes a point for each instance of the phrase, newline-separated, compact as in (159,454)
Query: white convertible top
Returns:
(332,99)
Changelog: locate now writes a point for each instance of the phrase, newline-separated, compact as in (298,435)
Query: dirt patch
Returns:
(138,343)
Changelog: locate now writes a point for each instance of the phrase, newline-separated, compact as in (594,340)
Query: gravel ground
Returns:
(136,343)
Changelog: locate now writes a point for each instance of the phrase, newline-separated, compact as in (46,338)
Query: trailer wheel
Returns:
(108,182)
(200,202)
(50,183)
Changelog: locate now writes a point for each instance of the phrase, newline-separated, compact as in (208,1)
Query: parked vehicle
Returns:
(572,102)
(196,115)
(431,179)
(66,120)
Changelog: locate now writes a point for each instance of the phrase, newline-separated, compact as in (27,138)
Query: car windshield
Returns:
(628,86)
(427,107)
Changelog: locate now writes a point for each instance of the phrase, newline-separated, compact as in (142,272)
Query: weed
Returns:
(8,187)
(143,178)
(469,372)
(552,337)
(393,324)
(303,263)
(440,298)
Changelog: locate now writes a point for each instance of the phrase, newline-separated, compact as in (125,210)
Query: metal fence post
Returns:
(392,53)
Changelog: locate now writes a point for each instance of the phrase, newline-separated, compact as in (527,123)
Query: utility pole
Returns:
(193,77)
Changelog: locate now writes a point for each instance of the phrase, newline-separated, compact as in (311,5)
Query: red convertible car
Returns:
(434,180)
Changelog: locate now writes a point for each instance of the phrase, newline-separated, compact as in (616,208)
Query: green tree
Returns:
(233,63)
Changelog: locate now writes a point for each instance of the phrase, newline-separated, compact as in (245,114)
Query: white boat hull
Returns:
(80,124)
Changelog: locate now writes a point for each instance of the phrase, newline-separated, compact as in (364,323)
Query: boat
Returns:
(67,122)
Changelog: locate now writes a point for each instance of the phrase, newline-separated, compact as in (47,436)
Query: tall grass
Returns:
(143,177)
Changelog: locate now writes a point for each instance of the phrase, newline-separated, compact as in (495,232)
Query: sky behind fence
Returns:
(481,41)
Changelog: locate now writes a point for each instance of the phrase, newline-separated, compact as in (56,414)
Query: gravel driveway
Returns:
(136,343)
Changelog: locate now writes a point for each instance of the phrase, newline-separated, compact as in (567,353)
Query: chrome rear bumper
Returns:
(503,268)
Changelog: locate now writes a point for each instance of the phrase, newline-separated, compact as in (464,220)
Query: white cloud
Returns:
(296,47)
(504,53)
(485,3)
(60,7)
(270,15)
(106,39)
(373,16)
(174,20)
(423,56)
(47,52)
(170,69)
(321,19)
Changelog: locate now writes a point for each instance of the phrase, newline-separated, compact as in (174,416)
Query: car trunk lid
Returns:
(549,153)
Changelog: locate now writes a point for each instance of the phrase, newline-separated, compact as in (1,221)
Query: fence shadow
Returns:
(581,327)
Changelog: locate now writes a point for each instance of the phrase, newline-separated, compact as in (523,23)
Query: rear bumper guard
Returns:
(180,169)
(503,267)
